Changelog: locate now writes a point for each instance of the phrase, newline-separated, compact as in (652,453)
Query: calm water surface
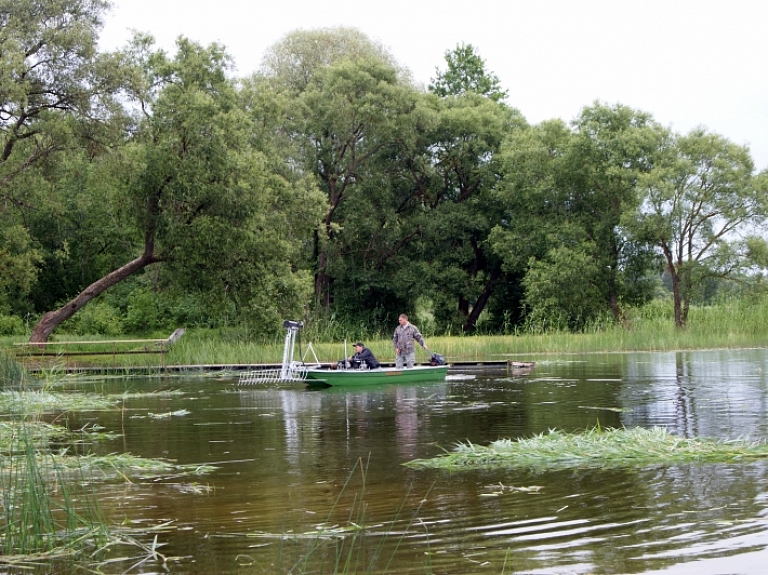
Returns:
(292,459)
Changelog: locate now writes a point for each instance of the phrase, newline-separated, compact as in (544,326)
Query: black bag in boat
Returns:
(437,359)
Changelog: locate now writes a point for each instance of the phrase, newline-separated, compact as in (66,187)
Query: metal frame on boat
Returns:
(318,374)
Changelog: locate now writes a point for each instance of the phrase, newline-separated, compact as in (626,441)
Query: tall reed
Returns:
(11,373)
(46,512)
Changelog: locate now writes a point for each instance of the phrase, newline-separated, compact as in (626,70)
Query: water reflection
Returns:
(720,393)
(292,459)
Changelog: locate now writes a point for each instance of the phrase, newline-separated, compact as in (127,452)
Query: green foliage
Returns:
(565,194)
(144,312)
(563,289)
(57,89)
(699,199)
(97,318)
(11,325)
(18,264)
(465,74)
(292,62)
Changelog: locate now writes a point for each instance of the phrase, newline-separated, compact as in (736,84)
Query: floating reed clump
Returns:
(635,447)
(40,401)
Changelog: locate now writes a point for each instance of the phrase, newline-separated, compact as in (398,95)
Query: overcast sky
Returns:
(687,62)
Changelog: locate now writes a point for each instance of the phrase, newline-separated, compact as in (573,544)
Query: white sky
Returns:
(687,62)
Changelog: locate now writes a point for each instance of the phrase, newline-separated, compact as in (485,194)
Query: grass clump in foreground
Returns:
(635,447)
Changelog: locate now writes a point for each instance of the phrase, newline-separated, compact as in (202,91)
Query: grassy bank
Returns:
(735,324)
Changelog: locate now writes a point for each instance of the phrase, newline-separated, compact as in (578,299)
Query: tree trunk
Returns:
(677,295)
(52,319)
(482,301)
(618,314)
(322,283)
(678,299)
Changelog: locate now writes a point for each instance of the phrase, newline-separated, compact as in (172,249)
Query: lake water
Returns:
(293,460)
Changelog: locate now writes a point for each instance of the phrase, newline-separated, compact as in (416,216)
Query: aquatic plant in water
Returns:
(43,514)
(596,447)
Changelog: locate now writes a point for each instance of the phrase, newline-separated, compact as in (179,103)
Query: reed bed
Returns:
(736,323)
(732,324)
(11,373)
(596,447)
(49,512)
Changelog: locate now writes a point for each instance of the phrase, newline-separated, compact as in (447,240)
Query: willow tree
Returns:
(702,207)
(202,203)
(345,100)
(57,94)
(458,181)
(292,62)
(613,146)
(56,89)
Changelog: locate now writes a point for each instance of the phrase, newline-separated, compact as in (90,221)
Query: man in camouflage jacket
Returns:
(405,334)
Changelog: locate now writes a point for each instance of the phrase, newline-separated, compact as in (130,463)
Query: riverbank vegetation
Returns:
(736,323)
(145,191)
(49,511)
(732,323)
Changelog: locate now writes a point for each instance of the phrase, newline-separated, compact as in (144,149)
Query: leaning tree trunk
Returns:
(52,319)
(471,322)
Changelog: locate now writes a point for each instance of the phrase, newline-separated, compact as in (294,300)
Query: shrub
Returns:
(11,325)
(98,317)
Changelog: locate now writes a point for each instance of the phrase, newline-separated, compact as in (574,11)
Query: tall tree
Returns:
(57,93)
(566,191)
(459,175)
(293,61)
(344,98)
(202,201)
(612,148)
(701,206)
(459,180)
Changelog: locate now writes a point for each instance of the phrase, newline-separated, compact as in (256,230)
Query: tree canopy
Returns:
(328,185)
(465,73)
(702,208)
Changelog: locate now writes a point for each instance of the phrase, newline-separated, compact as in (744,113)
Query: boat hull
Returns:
(365,377)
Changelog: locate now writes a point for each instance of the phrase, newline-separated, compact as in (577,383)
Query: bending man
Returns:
(364,356)
(405,334)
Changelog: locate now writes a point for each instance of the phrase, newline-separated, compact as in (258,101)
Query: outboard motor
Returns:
(437,359)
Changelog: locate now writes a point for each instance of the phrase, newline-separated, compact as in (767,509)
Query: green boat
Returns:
(320,376)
